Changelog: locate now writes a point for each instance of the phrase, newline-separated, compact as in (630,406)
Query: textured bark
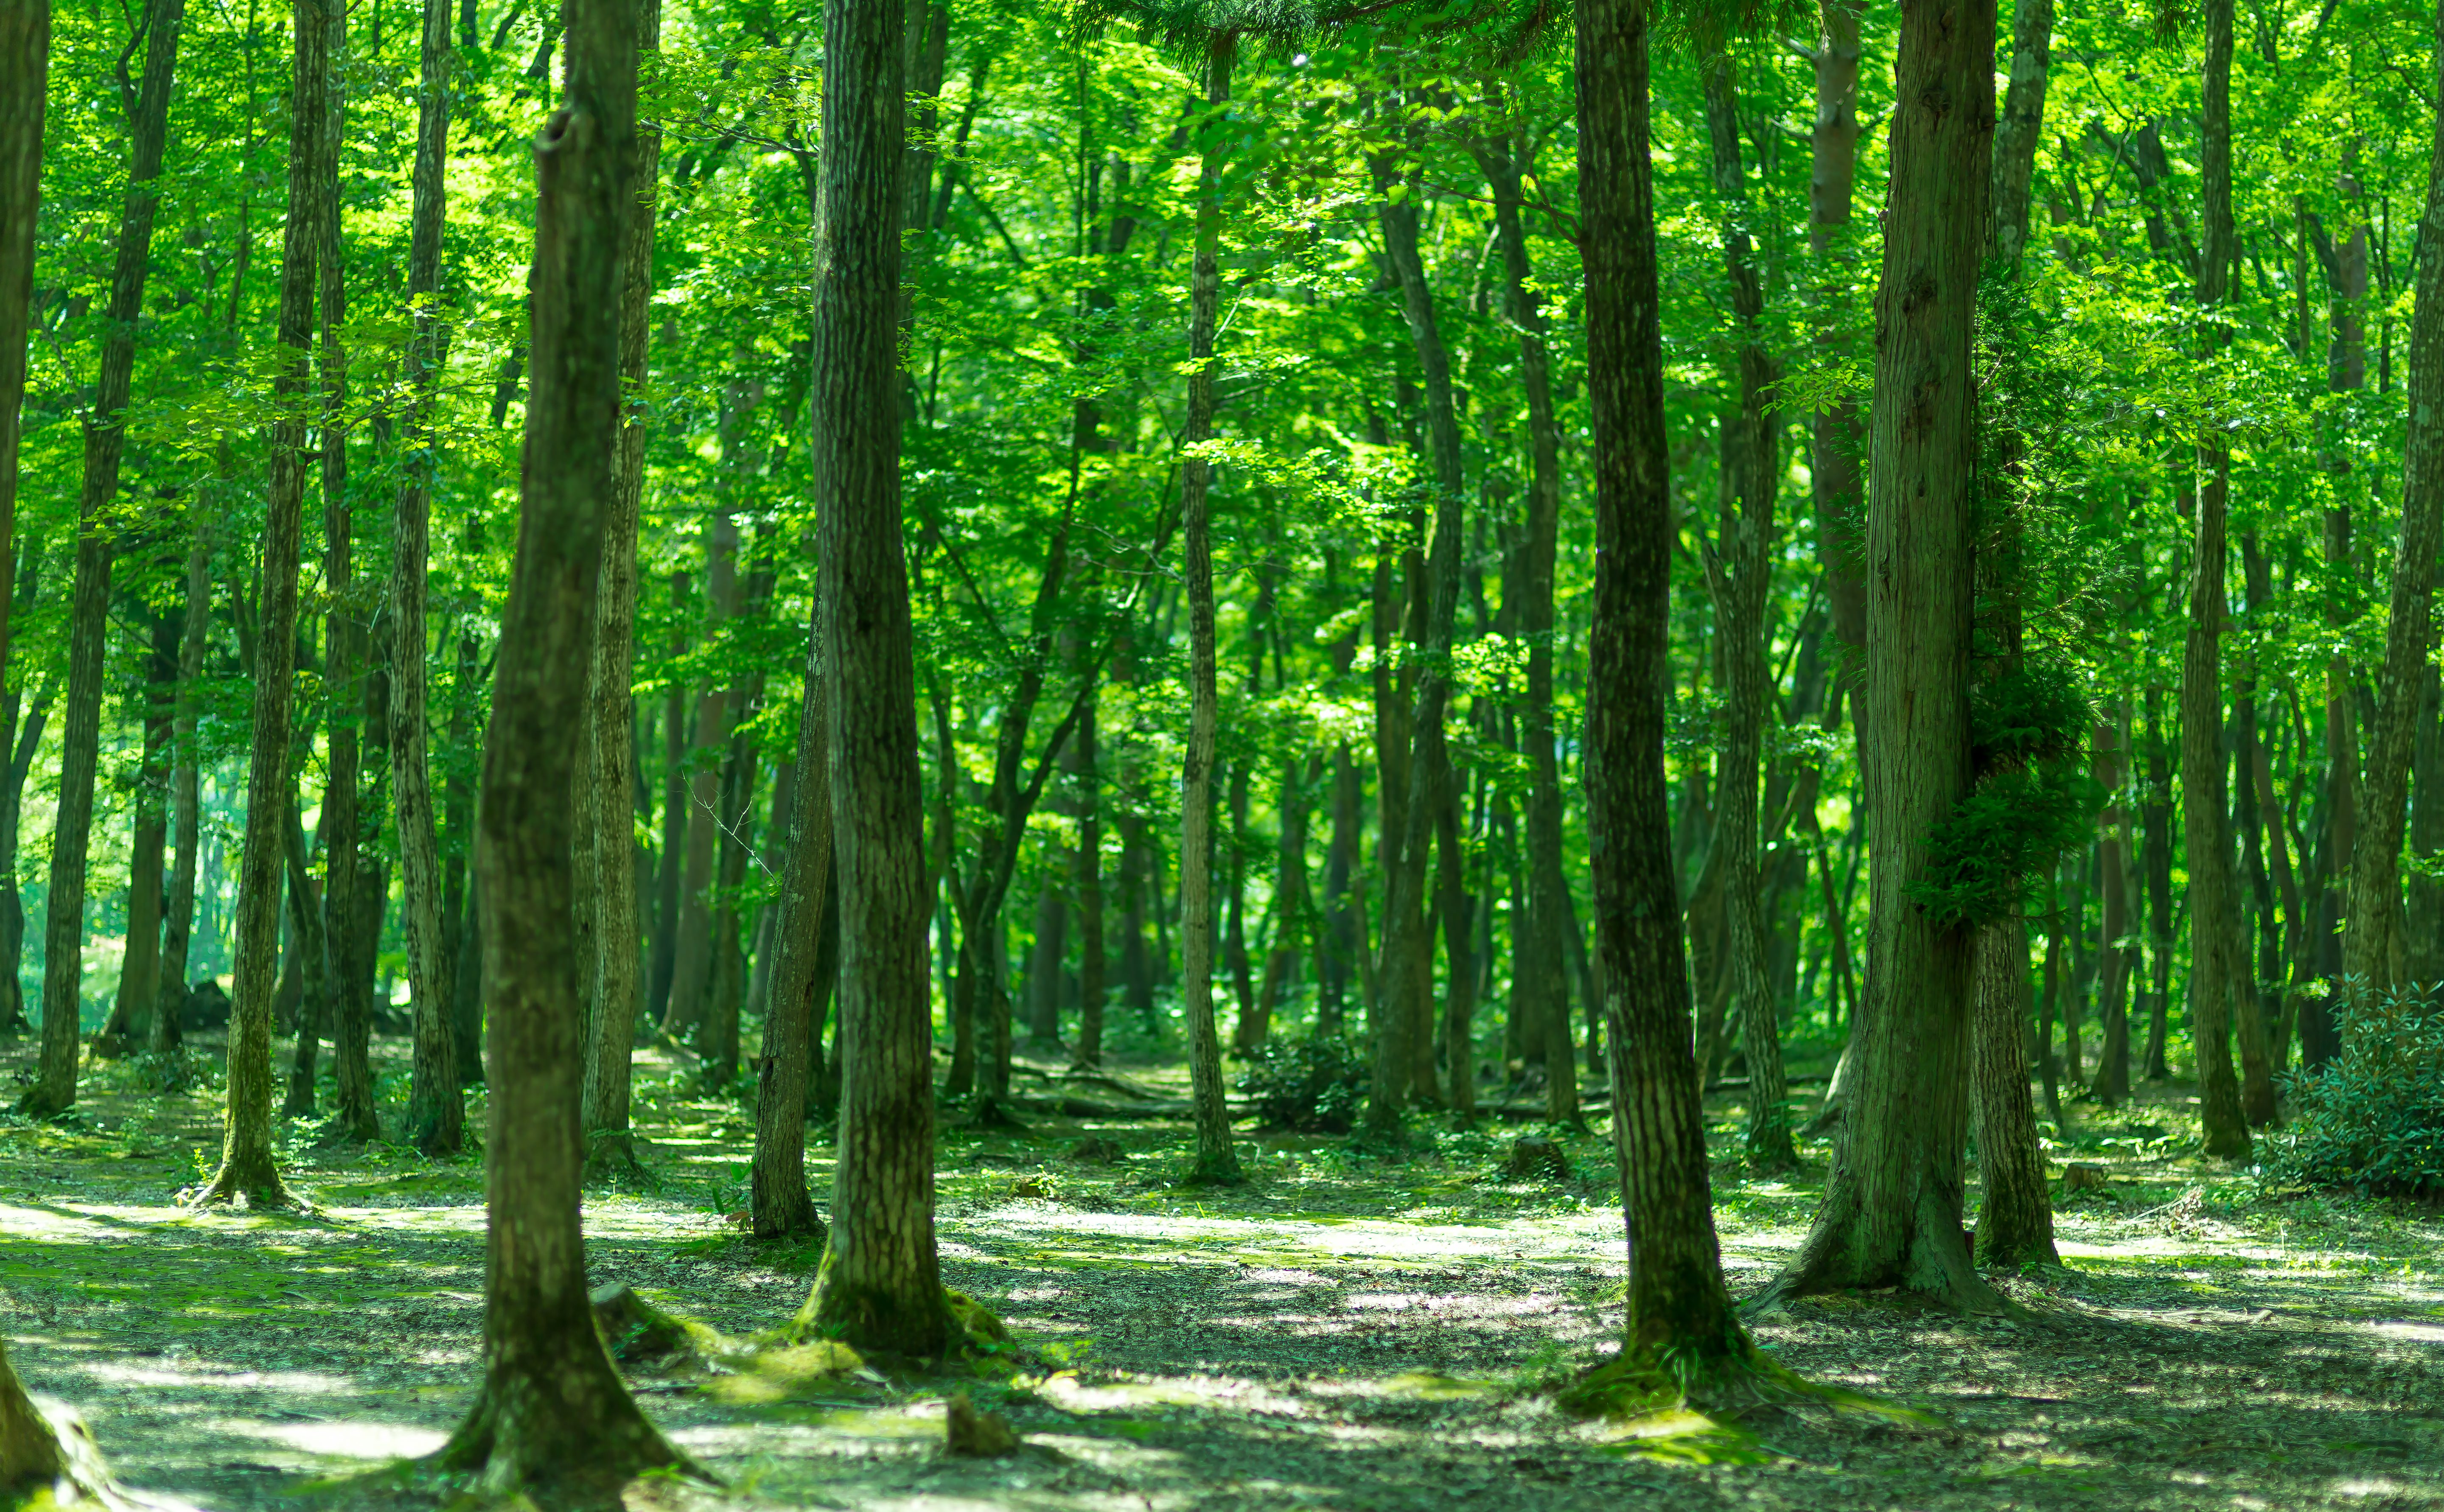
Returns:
(435,1111)
(692,957)
(1405,973)
(552,1420)
(105,435)
(2369,948)
(2015,1222)
(1891,1214)
(1089,1052)
(2219,974)
(2017,128)
(25,67)
(1739,578)
(664,962)
(2154,856)
(186,809)
(304,976)
(139,968)
(881,1286)
(618,990)
(778,1201)
(1837,433)
(462,952)
(247,1167)
(2261,1000)
(1457,914)
(1678,1306)
(1216,1161)
(2115,958)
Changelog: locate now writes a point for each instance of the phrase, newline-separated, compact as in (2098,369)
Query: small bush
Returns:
(2373,1117)
(1311,1085)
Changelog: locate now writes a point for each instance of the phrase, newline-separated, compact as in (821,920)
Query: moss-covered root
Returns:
(640,1333)
(573,1448)
(611,1160)
(48,1458)
(1645,1382)
(254,1183)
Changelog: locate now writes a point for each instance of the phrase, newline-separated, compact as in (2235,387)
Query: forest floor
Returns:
(1346,1332)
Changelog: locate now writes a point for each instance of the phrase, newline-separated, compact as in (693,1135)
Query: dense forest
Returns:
(733,675)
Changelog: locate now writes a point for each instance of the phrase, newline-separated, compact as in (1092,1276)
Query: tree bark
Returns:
(139,969)
(1739,578)
(186,809)
(1891,1214)
(2115,956)
(1216,1161)
(2015,1223)
(879,1288)
(1679,1309)
(25,70)
(105,434)
(2219,973)
(618,995)
(692,958)
(552,1419)
(435,1111)
(1089,1053)
(2369,948)
(778,1202)
(246,1168)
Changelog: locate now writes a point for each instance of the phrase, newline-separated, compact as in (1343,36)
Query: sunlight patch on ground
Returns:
(354,1440)
(2415,1333)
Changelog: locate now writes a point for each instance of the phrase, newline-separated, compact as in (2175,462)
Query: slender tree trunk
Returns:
(552,1419)
(778,1202)
(305,985)
(619,927)
(186,808)
(1891,1214)
(2016,1225)
(139,968)
(2370,951)
(25,70)
(1216,1161)
(2219,974)
(881,1285)
(1091,893)
(664,963)
(1680,1311)
(2261,1000)
(247,1169)
(462,952)
(105,435)
(435,1111)
(1739,575)
(2156,886)
(692,963)
(1837,436)
(1458,915)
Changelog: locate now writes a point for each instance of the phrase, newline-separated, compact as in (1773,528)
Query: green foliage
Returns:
(1314,1083)
(2035,713)
(2373,1117)
(2002,835)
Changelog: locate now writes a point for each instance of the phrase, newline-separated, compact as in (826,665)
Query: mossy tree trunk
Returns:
(778,1202)
(553,1420)
(880,1286)
(186,809)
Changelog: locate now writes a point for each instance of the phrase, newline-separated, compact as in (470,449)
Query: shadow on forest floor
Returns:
(1344,1332)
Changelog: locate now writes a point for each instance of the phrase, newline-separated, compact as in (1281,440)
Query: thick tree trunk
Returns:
(25,70)
(2219,973)
(1739,576)
(186,808)
(778,1202)
(1216,1161)
(105,436)
(1891,1214)
(2015,1223)
(2370,951)
(247,1169)
(1680,1311)
(880,1286)
(552,1420)
(618,996)
(435,1111)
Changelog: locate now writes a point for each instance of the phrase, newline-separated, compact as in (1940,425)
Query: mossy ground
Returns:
(1345,1330)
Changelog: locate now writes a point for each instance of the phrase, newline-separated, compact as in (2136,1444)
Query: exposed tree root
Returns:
(1705,1397)
(611,1160)
(255,1183)
(48,1458)
(566,1451)
(990,1112)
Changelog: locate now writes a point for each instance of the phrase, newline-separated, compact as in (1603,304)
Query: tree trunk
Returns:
(25,70)
(105,436)
(305,985)
(1739,576)
(778,1202)
(1458,915)
(2155,885)
(247,1169)
(552,1419)
(435,1111)
(28,741)
(692,961)
(611,1032)
(2219,973)
(2114,954)
(2423,961)
(1091,893)
(139,970)
(1891,1214)
(881,1286)
(664,963)
(1680,1311)
(462,949)
(1216,1161)
(1837,439)
(2369,948)
(2016,1225)
(186,808)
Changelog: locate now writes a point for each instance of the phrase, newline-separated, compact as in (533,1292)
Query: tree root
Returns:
(523,1446)
(1704,1401)
(611,1160)
(48,1458)
(256,1184)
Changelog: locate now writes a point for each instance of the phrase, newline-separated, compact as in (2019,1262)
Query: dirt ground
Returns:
(1347,1332)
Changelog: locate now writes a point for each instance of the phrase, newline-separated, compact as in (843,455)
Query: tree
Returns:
(880,1287)
(435,1111)
(1891,1212)
(552,1419)
(1216,1161)
(1679,1309)
(105,439)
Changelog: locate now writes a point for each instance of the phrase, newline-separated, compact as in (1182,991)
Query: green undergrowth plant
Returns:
(2371,1119)
(1310,1084)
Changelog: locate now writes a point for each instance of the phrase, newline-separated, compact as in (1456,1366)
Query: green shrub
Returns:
(1314,1084)
(2372,1119)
